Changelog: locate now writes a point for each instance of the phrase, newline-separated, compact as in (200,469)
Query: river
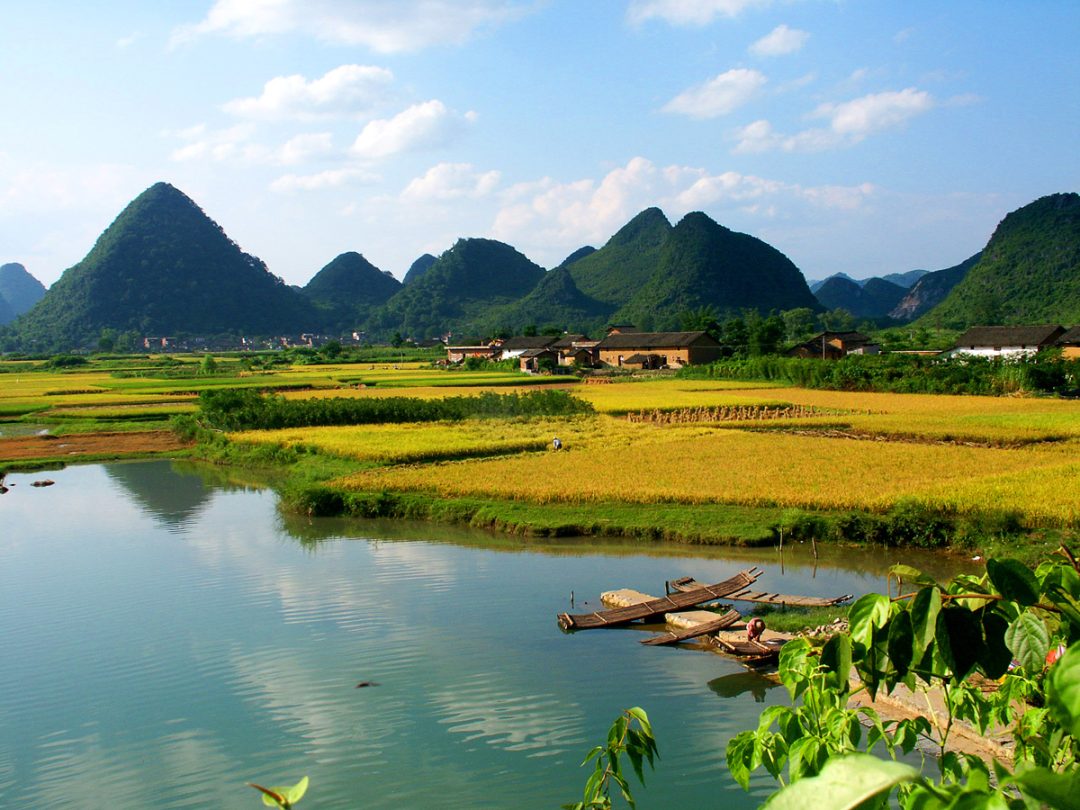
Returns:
(170,636)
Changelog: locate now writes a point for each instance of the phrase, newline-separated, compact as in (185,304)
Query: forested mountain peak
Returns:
(163,267)
(1029,271)
(418,268)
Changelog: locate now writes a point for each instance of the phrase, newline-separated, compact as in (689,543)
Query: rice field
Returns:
(647,464)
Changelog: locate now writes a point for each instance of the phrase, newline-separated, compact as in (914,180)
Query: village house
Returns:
(536,360)
(484,350)
(516,346)
(1070,344)
(576,350)
(1006,341)
(658,349)
(834,345)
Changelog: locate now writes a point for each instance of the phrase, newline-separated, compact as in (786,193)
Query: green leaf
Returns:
(994,655)
(901,642)
(1057,790)
(836,658)
(963,634)
(1063,690)
(868,614)
(739,755)
(1014,581)
(924,612)
(296,792)
(1029,641)
(843,784)
(912,575)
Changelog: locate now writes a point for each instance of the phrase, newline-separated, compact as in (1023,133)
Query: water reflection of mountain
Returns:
(798,559)
(161,491)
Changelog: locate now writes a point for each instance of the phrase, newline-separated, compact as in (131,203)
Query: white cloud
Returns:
(305,147)
(551,217)
(421,126)
(235,144)
(451,181)
(232,143)
(781,40)
(862,116)
(688,12)
(332,178)
(385,27)
(849,123)
(345,90)
(718,96)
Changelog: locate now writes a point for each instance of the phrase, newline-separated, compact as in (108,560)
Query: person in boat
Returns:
(556,443)
(754,628)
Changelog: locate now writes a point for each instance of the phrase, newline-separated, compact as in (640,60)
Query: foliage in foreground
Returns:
(637,744)
(1013,625)
(904,374)
(244,409)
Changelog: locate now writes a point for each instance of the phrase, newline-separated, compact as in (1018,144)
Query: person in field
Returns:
(556,443)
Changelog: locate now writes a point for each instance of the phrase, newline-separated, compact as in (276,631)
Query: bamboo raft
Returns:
(689,584)
(705,628)
(681,600)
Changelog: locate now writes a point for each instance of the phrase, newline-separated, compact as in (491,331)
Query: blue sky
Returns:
(856,135)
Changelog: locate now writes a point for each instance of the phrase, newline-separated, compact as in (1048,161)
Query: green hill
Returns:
(162,268)
(460,289)
(20,290)
(614,273)
(348,289)
(7,314)
(577,255)
(703,264)
(418,268)
(554,302)
(1029,271)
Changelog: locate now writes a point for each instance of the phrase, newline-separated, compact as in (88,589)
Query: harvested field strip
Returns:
(724,413)
(97,445)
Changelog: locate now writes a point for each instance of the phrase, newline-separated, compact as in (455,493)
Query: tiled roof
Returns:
(515,344)
(1009,336)
(1070,338)
(656,340)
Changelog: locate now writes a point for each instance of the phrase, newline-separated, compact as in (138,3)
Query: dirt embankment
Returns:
(90,445)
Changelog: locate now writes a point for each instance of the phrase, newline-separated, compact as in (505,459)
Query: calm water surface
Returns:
(169,637)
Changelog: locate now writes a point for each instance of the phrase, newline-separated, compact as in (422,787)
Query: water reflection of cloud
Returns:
(543,724)
(91,771)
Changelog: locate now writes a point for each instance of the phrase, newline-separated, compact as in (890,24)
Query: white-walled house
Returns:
(1005,341)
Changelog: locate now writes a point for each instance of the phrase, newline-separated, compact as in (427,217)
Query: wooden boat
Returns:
(753,653)
(664,604)
(698,630)
(684,584)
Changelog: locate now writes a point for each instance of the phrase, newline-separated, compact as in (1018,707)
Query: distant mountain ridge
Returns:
(874,299)
(19,291)
(163,268)
(931,289)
